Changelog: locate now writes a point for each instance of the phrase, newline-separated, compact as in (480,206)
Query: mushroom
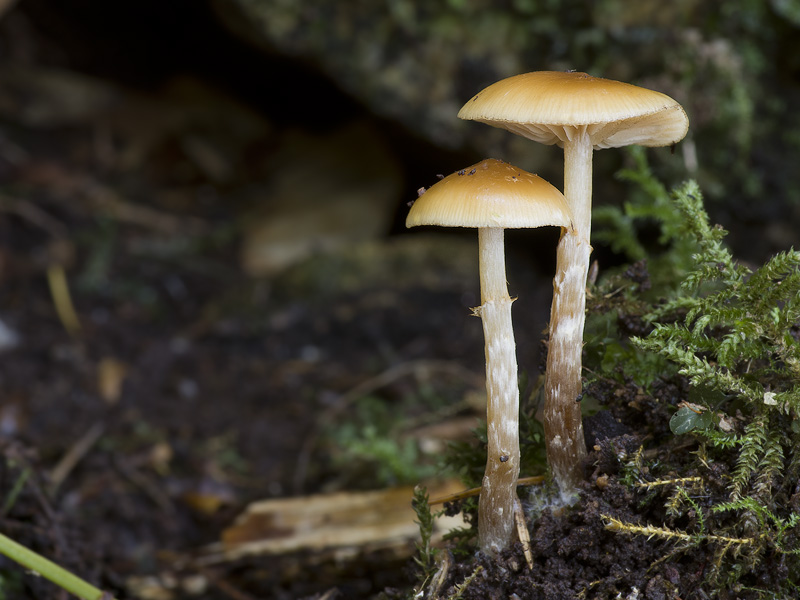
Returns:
(579,113)
(493,195)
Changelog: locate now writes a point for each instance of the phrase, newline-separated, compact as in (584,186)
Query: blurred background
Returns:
(207,292)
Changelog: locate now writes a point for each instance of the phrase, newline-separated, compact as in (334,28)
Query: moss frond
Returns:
(734,334)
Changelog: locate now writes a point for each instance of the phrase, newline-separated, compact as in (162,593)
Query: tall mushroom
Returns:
(579,113)
(491,196)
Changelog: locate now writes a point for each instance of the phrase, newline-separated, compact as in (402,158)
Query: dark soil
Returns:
(575,555)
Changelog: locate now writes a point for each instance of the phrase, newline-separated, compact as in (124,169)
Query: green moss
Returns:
(375,447)
(734,334)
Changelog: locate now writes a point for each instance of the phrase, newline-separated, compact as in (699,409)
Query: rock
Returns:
(326,191)
(418,63)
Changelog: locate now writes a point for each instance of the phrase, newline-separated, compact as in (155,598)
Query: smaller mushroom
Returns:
(491,196)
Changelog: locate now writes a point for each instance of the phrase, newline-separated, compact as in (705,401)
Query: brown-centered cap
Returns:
(549,106)
(491,193)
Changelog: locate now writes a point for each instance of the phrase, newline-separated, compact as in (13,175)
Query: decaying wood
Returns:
(338,524)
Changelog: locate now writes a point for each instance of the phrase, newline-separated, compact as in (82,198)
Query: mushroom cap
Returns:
(549,106)
(491,193)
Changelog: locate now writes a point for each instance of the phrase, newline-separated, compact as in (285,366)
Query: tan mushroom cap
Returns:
(549,106)
(491,193)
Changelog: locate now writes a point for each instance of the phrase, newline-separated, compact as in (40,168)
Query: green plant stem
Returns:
(48,569)
(12,496)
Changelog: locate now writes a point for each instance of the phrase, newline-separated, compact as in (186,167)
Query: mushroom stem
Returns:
(563,428)
(498,491)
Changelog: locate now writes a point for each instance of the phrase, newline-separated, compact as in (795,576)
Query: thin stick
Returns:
(153,490)
(34,215)
(75,454)
(59,290)
(522,532)
(535,480)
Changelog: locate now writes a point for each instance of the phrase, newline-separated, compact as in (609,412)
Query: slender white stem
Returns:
(563,428)
(498,491)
